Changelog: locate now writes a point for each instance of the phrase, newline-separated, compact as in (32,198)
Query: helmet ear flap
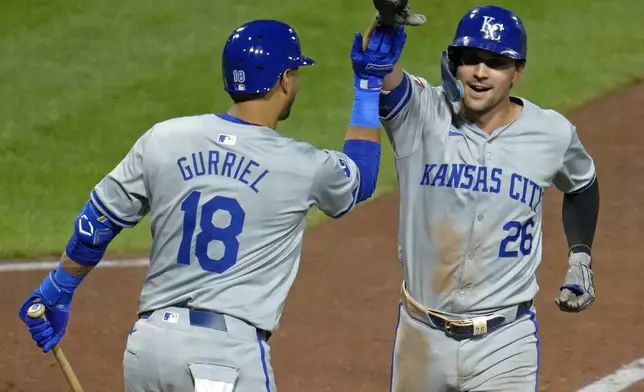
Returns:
(453,88)
(452,57)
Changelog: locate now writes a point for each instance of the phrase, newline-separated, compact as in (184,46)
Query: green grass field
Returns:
(81,80)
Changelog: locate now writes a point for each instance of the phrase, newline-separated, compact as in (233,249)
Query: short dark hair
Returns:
(240,97)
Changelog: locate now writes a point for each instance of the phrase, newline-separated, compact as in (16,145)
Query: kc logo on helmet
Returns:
(491,29)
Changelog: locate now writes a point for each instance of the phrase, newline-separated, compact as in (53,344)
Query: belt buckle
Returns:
(447,326)
(478,324)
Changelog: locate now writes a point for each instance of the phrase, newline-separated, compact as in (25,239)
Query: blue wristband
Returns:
(59,286)
(365,108)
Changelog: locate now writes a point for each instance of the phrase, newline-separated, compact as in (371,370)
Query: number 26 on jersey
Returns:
(518,240)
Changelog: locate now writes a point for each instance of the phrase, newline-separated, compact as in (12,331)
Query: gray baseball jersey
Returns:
(228,202)
(471,204)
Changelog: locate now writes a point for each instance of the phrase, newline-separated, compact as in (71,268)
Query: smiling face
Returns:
(487,78)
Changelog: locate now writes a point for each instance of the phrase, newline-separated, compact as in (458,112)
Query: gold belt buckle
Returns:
(478,324)
(448,326)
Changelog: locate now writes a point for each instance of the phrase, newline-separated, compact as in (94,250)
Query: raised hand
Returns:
(371,64)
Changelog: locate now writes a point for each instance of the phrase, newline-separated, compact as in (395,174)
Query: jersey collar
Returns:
(501,129)
(236,120)
(256,127)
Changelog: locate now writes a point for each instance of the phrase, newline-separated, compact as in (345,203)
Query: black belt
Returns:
(207,319)
(459,330)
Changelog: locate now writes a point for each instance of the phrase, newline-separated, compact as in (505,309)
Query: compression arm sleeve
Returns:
(579,216)
(366,155)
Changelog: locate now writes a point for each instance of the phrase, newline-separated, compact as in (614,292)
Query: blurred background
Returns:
(80,81)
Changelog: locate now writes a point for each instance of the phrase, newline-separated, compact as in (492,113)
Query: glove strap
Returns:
(59,286)
(580,258)
(367,83)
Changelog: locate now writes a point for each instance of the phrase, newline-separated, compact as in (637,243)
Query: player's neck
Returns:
(254,113)
(497,117)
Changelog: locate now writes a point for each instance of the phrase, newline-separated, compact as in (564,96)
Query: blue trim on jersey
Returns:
(109,213)
(393,349)
(366,155)
(536,335)
(353,203)
(264,366)
(391,104)
(236,120)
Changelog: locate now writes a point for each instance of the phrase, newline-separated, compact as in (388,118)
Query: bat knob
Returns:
(36,310)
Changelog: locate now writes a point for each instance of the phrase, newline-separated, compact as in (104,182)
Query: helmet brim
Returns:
(304,61)
(470,42)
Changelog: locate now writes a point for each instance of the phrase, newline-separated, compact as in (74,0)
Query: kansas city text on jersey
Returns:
(230,165)
(482,179)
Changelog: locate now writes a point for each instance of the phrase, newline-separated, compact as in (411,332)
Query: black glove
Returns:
(396,12)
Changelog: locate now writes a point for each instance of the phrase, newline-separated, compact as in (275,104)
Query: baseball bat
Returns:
(38,310)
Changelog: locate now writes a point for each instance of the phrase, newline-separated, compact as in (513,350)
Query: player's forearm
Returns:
(75,268)
(361,133)
(365,121)
(362,140)
(394,79)
(579,215)
(85,249)
(372,60)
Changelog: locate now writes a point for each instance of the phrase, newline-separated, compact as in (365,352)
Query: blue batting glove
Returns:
(372,64)
(48,333)
(55,293)
(359,61)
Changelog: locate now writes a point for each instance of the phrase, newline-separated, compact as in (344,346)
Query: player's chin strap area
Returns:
(465,328)
(452,87)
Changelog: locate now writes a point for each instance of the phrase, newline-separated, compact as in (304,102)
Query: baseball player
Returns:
(473,162)
(228,198)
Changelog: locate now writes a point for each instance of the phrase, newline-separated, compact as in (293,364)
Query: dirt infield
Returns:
(338,326)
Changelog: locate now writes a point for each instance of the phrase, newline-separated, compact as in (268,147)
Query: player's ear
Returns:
(285,83)
(288,81)
(518,71)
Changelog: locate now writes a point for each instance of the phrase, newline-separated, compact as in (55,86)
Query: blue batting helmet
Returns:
(495,29)
(257,53)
